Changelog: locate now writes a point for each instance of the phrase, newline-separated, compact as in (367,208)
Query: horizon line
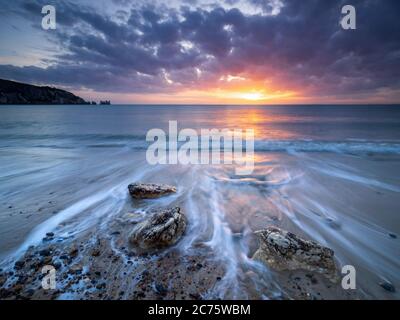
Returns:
(212,104)
(251,104)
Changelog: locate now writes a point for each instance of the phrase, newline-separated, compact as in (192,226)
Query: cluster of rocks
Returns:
(24,280)
(278,248)
(161,228)
(308,263)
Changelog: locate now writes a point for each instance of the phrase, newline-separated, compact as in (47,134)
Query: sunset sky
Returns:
(211,51)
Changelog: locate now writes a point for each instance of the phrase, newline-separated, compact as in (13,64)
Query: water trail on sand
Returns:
(222,242)
(107,202)
(208,212)
(333,221)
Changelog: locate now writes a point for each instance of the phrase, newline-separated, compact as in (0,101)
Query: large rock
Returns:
(163,228)
(284,250)
(149,190)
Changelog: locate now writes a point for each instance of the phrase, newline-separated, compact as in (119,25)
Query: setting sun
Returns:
(256,95)
(253,96)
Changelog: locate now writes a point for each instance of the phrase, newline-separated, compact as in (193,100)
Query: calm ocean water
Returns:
(311,128)
(329,173)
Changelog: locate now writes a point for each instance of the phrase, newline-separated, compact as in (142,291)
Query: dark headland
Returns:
(12,92)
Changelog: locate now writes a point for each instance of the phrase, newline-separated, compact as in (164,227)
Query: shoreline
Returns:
(105,266)
(98,272)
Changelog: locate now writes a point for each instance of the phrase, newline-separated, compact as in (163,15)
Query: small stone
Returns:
(145,273)
(77,268)
(314,280)
(46,260)
(160,289)
(387,286)
(100,286)
(195,296)
(392,235)
(18,287)
(50,234)
(45,252)
(73,251)
(2,280)
(333,223)
(30,292)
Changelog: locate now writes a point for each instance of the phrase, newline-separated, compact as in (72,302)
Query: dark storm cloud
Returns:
(303,46)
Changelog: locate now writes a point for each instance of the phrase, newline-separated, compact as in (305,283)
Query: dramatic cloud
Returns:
(285,48)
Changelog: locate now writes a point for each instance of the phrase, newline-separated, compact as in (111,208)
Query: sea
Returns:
(328,173)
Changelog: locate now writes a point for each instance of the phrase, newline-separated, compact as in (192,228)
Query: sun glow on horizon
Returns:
(229,89)
(249,88)
(255,95)
(216,96)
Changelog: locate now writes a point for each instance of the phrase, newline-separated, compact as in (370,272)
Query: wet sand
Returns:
(96,270)
(94,259)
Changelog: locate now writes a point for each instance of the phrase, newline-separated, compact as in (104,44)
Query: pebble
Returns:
(195,296)
(73,252)
(387,286)
(45,252)
(100,286)
(30,292)
(76,269)
(46,260)
(145,273)
(160,289)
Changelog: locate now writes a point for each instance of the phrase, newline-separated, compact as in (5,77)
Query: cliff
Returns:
(20,93)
